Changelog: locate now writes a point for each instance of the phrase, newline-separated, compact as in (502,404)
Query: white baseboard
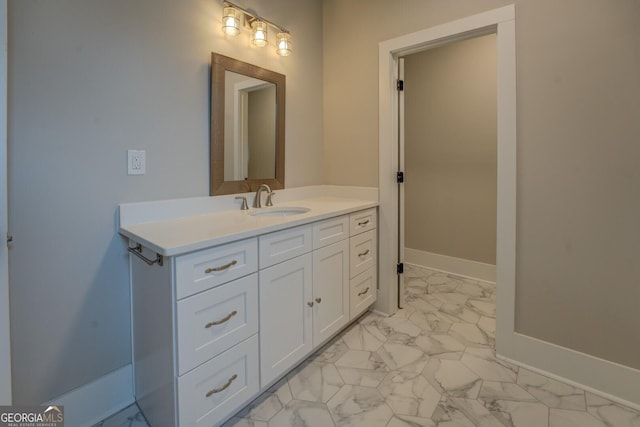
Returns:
(449,264)
(604,378)
(93,402)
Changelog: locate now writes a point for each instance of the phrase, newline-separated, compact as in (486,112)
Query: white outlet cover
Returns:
(136,162)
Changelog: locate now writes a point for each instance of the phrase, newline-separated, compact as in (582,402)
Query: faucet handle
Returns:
(245,206)
(269,196)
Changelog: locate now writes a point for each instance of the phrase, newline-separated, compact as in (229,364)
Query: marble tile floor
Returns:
(431,364)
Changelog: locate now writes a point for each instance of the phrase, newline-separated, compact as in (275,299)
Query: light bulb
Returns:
(259,33)
(230,21)
(283,42)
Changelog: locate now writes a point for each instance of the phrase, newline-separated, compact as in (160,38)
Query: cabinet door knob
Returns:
(365,222)
(318,300)
(364,253)
(310,303)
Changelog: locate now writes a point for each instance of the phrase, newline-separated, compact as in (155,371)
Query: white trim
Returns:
(93,402)
(401,189)
(506,194)
(5,333)
(499,21)
(607,379)
(448,264)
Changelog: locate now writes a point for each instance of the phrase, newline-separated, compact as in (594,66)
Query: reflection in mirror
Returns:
(247,127)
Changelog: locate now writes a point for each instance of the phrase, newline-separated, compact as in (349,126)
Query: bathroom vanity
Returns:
(225,303)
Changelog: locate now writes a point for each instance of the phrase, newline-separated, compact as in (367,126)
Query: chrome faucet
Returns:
(257,202)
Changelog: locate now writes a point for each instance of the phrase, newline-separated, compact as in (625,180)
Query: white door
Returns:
(401,182)
(5,343)
(330,290)
(286,315)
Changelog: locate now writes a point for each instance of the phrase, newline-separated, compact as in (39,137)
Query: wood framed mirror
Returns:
(247,127)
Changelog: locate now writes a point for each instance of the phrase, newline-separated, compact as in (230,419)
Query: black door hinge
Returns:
(400,85)
(399,177)
(400,268)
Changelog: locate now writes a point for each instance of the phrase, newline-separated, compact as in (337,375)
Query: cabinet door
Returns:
(330,290)
(285,316)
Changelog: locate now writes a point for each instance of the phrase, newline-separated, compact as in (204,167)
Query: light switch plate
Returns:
(136,163)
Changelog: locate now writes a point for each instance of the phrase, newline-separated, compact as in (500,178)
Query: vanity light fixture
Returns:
(233,16)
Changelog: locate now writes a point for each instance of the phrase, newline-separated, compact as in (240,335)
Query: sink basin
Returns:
(279,211)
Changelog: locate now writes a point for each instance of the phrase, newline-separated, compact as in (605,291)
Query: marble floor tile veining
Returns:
(432,364)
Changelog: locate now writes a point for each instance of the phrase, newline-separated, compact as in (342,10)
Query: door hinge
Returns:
(399,177)
(400,85)
(400,268)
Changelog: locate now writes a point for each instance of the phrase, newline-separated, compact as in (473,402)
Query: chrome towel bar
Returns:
(137,251)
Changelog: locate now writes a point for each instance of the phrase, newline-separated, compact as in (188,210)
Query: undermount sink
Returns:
(280,211)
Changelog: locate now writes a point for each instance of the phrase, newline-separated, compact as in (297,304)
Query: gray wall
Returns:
(450,150)
(89,79)
(578,100)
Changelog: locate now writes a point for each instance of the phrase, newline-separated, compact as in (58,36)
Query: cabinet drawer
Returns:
(363,250)
(362,221)
(363,289)
(212,392)
(202,270)
(330,231)
(215,320)
(283,245)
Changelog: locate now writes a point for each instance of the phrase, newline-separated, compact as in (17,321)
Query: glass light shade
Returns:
(259,33)
(283,44)
(230,21)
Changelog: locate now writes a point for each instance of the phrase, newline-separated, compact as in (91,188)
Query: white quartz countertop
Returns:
(175,236)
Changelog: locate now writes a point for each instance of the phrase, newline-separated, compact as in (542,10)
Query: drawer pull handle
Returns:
(221,268)
(222,387)
(363,292)
(221,321)
(310,303)
(318,300)
(365,222)
(363,253)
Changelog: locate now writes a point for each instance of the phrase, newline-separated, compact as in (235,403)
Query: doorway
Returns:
(501,22)
(447,151)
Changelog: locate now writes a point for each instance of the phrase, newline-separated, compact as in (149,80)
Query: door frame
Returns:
(5,338)
(500,21)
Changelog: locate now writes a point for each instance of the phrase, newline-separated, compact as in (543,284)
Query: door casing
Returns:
(500,21)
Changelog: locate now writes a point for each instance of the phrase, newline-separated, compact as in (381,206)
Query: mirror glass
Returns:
(247,127)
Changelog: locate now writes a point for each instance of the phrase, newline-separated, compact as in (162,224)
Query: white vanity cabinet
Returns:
(195,334)
(363,261)
(214,327)
(304,300)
